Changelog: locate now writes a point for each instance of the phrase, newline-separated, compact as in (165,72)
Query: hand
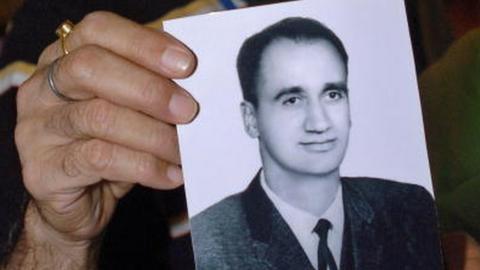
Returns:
(461,252)
(80,158)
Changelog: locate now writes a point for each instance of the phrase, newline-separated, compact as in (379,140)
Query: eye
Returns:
(291,101)
(335,95)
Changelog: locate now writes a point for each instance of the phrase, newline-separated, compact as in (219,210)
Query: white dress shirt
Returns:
(302,224)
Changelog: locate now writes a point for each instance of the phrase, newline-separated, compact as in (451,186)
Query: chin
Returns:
(316,168)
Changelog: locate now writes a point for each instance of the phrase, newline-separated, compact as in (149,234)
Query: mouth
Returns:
(318,146)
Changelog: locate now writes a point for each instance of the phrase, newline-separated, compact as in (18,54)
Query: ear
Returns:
(249,119)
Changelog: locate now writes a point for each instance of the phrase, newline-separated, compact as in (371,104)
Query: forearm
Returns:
(39,247)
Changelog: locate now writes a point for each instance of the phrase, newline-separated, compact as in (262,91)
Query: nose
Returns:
(317,119)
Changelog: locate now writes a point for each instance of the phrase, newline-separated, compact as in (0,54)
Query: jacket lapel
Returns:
(277,247)
(273,241)
(361,231)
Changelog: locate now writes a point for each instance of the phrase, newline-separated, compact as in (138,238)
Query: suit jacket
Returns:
(388,225)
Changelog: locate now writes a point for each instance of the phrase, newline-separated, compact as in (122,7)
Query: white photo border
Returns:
(387,139)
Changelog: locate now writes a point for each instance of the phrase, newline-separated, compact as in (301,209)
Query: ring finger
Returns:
(96,72)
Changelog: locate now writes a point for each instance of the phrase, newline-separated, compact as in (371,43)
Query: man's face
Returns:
(302,119)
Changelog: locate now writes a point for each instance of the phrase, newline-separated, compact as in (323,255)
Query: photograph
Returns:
(308,151)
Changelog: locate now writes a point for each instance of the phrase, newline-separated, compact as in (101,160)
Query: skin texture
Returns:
(310,121)
(80,158)
(461,251)
(302,120)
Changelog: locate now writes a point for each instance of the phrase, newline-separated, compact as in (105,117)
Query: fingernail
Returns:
(174,173)
(183,106)
(176,60)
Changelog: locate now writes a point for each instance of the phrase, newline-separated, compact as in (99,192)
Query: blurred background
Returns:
(434,26)
(453,141)
(7,9)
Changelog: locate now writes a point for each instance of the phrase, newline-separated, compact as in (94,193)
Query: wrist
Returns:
(42,247)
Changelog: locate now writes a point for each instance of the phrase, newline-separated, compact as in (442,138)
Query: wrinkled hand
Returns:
(80,158)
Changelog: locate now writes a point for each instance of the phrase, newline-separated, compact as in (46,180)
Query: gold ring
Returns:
(63,31)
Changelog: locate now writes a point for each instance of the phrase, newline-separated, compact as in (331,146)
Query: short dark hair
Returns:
(293,28)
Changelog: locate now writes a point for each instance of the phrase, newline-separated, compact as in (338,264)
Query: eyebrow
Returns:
(298,90)
(336,86)
(288,91)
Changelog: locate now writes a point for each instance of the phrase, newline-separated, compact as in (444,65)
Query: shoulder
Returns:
(383,192)
(220,212)
(220,234)
(383,187)
(220,222)
(402,209)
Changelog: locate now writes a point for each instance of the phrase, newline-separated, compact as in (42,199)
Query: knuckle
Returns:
(153,136)
(24,88)
(29,177)
(80,65)
(98,155)
(145,167)
(98,118)
(87,29)
(165,141)
(25,91)
(138,44)
(145,43)
(62,122)
(148,92)
(23,131)
(43,56)
(47,54)
(22,95)
(70,164)
(65,122)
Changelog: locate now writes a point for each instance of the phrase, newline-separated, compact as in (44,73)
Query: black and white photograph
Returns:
(308,151)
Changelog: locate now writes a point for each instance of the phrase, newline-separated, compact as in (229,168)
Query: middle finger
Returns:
(106,121)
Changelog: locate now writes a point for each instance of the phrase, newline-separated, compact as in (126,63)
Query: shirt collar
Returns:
(302,223)
(331,214)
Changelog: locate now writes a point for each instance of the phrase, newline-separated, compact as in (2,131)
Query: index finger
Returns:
(155,50)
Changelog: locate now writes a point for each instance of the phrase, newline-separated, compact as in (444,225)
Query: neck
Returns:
(313,193)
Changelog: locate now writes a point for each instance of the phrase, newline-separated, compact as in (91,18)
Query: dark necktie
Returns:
(325,256)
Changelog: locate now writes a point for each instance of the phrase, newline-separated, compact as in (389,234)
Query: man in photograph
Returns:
(298,212)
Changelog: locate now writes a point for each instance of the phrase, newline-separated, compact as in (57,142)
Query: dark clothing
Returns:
(137,236)
(388,225)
